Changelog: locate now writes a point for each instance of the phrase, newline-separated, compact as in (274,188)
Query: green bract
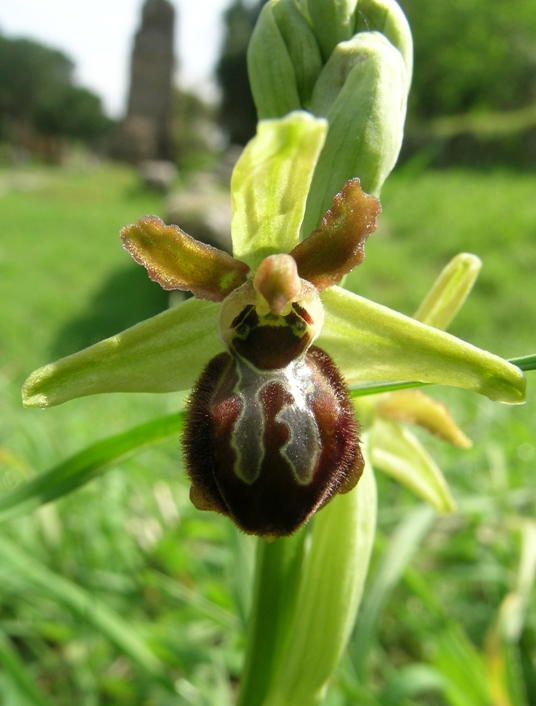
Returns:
(370,342)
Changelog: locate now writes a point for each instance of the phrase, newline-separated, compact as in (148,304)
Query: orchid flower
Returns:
(367,342)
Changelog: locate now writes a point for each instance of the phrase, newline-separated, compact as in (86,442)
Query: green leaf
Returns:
(397,452)
(16,672)
(82,603)
(86,465)
(162,354)
(399,551)
(362,91)
(371,343)
(270,184)
(462,667)
(526,362)
(332,580)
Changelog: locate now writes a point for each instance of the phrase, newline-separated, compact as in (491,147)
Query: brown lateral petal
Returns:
(177,261)
(414,407)
(337,246)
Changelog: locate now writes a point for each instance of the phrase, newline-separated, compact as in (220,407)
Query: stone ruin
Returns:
(145,133)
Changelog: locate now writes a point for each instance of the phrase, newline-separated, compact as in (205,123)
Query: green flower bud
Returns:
(362,93)
(333,22)
(302,46)
(386,16)
(271,71)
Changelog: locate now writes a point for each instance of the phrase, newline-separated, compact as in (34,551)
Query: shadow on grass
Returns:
(126,297)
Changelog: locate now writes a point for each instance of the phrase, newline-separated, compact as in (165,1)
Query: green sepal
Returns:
(162,354)
(449,292)
(362,92)
(270,184)
(397,452)
(387,17)
(333,22)
(371,343)
(271,71)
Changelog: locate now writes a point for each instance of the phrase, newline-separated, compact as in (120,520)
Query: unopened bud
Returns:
(362,93)
(333,22)
(386,16)
(271,72)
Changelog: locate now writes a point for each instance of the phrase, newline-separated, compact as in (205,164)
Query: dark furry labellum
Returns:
(270,437)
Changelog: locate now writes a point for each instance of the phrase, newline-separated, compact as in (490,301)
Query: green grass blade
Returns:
(400,550)
(85,606)
(377,388)
(16,673)
(86,465)
(462,667)
(526,362)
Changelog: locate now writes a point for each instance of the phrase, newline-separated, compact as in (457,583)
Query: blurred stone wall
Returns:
(145,133)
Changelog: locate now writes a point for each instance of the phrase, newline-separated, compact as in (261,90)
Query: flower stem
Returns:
(275,591)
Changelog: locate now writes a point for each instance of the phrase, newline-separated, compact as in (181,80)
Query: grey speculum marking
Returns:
(303,446)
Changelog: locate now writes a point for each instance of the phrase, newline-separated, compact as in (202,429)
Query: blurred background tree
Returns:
(237,110)
(39,101)
(472,55)
(473,98)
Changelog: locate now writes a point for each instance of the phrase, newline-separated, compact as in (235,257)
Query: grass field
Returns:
(122,593)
